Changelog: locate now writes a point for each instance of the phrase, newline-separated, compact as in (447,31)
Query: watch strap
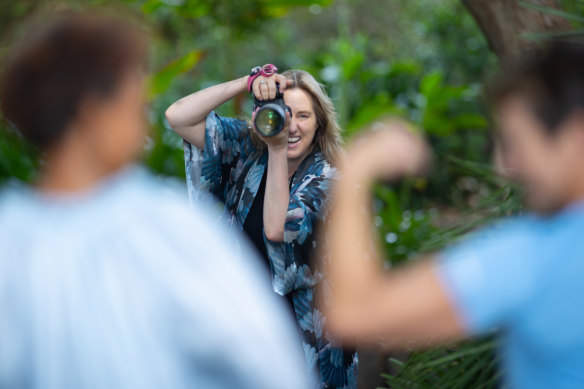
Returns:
(267,70)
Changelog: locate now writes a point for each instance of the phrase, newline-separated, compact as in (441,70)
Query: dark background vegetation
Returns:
(426,60)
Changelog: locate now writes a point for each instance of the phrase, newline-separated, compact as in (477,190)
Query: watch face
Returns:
(268,70)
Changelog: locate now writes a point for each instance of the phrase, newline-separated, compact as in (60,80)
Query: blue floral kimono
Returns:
(231,168)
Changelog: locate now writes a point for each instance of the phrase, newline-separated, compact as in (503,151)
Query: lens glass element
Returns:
(269,121)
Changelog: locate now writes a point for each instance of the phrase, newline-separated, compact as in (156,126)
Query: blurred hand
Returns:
(264,88)
(389,150)
(279,141)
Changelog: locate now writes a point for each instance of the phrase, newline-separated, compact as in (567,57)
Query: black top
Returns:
(254,222)
(254,228)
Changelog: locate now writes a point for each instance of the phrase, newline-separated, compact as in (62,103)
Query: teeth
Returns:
(293,140)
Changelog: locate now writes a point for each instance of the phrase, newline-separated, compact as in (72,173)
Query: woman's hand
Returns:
(389,150)
(264,88)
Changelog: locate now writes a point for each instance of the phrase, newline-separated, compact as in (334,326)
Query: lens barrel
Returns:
(270,119)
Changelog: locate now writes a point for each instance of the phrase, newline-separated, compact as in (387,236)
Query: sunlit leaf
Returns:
(279,8)
(160,81)
(410,68)
(470,120)
(370,111)
(430,83)
(152,6)
(297,3)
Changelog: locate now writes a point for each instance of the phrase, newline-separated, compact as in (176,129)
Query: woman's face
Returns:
(302,124)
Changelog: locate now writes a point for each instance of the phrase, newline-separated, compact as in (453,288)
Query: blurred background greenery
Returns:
(424,59)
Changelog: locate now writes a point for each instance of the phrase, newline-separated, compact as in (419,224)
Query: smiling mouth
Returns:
(293,140)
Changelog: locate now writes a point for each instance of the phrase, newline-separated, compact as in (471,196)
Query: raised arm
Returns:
(277,194)
(401,307)
(187,115)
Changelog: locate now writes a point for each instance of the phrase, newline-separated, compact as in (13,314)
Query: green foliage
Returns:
(160,82)
(451,115)
(437,118)
(242,15)
(17,158)
(200,42)
(472,364)
(408,230)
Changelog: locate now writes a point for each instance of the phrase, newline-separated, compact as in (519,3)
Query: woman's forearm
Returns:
(187,115)
(277,194)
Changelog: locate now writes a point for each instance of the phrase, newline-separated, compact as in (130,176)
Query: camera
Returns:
(270,117)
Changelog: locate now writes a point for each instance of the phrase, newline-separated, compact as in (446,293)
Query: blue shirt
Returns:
(125,286)
(525,277)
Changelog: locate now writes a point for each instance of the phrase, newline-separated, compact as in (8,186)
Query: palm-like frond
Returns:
(472,364)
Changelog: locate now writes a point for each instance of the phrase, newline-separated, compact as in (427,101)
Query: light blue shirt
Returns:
(525,277)
(126,287)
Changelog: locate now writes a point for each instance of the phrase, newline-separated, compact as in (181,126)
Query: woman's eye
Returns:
(303,116)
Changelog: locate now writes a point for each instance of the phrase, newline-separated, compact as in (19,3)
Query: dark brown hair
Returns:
(551,82)
(70,56)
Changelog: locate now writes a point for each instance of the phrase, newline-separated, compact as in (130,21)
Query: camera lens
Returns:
(270,120)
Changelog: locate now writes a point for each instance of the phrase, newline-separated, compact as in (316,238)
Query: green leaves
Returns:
(279,8)
(438,117)
(471,364)
(242,16)
(161,80)
(17,158)
(380,106)
(188,9)
(439,108)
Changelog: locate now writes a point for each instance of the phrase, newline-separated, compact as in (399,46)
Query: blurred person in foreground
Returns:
(108,280)
(523,276)
(274,190)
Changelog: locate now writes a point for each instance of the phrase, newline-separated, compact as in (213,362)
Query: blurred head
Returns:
(78,76)
(540,114)
(314,119)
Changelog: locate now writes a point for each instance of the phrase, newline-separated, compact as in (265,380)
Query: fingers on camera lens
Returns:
(268,90)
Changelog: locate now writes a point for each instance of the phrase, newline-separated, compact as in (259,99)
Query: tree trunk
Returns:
(505,21)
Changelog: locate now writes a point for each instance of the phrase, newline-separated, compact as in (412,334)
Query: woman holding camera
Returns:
(274,189)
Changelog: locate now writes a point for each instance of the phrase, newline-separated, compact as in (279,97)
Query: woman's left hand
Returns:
(277,142)
(264,88)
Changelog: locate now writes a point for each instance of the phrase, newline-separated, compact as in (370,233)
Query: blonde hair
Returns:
(328,133)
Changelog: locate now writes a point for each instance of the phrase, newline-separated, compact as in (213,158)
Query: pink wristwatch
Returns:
(267,70)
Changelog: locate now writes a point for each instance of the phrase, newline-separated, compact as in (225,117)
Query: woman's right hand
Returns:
(264,88)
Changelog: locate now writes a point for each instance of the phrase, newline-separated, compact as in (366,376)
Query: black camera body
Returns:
(270,116)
